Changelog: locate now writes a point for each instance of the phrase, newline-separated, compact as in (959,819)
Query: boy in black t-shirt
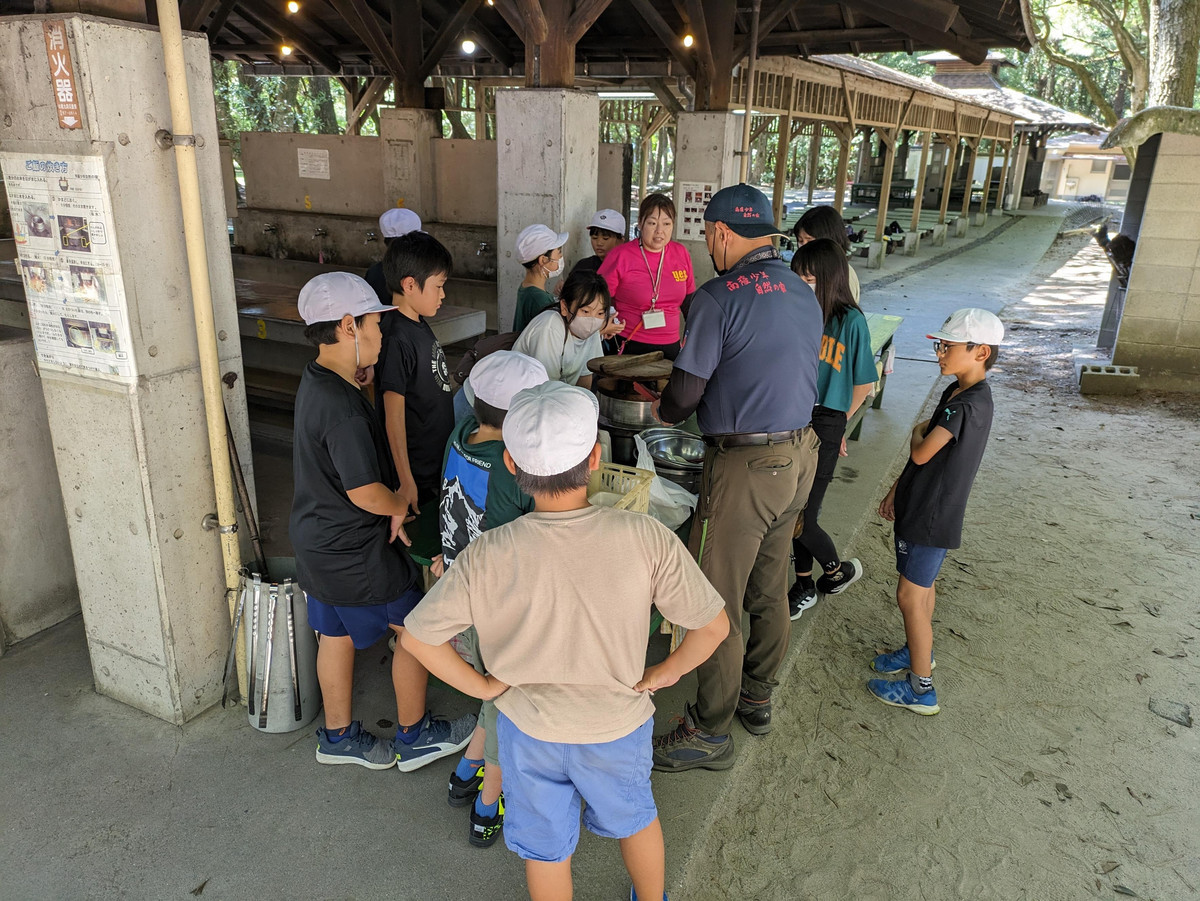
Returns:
(414,395)
(358,580)
(929,499)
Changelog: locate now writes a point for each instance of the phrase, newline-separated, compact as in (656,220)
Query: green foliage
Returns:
(273,103)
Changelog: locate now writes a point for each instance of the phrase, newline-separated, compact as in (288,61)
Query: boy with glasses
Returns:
(928,501)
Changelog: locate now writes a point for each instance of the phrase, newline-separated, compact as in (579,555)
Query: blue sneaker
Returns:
(899,693)
(896,662)
(633,894)
(356,746)
(438,738)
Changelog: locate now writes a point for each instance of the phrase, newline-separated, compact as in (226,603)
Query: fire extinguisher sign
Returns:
(62,75)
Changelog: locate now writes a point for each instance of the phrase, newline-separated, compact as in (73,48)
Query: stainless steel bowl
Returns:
(674,449)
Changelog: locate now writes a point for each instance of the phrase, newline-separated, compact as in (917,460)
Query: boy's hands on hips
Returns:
(495,688)
(408,496)
(887,506)
(396,530)
(657,676)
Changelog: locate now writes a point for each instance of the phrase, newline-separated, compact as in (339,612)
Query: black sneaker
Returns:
(463,791)
(801,596)
(755,715)
(687,747)
(485,830)
(841,578)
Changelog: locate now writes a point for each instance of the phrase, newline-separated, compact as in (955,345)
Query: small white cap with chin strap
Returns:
(551,428)
(971,325)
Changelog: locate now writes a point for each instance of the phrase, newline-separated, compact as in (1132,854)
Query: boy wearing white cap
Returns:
(539,248)
(929,499)
(393,224)
(568,630)
(358,579)
(605,231)
(479,493)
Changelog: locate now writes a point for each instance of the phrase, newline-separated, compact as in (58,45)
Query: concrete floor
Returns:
(101,801)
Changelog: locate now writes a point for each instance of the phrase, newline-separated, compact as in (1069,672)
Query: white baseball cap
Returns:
(331,295)
(499,376)
(398,221)
(551,427)
(971,325)
(536,240)
(609,220)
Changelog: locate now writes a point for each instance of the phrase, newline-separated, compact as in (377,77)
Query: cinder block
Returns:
(958,227)
(912,240)
(1108,379)
(876,251)
(939,234)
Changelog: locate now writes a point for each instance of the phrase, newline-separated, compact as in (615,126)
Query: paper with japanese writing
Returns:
(67,255)
(62,75)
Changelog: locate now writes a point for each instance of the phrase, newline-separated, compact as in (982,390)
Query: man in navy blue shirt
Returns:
(748,368)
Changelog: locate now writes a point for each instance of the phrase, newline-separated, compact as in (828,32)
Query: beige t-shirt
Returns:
(561,602)
(855,286)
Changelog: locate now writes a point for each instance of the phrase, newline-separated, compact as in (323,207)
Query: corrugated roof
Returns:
(1034,110)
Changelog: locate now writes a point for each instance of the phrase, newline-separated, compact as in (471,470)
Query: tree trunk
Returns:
(325,113)
(1174,30)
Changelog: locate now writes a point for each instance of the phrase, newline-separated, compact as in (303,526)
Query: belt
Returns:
(751,439)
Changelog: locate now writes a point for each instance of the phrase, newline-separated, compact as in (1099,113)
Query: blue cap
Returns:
(744,209)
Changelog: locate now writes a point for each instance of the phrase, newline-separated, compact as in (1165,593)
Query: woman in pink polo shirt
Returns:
(649,280)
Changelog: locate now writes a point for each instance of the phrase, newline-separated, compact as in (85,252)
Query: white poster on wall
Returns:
(694,197)
(67,256)
(312,163)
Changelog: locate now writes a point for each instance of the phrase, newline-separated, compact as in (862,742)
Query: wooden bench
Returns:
(883,330)
(901,190)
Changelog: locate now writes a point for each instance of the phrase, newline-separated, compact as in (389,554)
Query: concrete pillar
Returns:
(130,442)
(706,152)
(37,574)
(547,171)
(939,235)
(408,169)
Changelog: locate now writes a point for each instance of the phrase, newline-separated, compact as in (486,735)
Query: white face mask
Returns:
(556,271)
(585,326)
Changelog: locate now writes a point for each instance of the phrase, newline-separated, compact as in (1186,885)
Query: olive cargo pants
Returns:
(750,499)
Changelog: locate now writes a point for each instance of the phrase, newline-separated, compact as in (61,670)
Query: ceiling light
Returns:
(688,40)
(285,50)
(468,46)
(293,6)
(491,2)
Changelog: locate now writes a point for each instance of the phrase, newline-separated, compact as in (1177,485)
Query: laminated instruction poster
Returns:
(695,197)
(67,255)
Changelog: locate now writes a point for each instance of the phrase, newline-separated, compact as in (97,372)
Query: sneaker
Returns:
(439,738)
(842,578)
(485,830)
(801,596)
(633,894)
(755,715)
(688,747)
(899,693)
(357,746)
(463,791)
(893,662)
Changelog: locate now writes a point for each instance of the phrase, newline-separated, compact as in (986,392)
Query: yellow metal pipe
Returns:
(197,257)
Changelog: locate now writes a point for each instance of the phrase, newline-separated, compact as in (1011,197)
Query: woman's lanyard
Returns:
(653,318)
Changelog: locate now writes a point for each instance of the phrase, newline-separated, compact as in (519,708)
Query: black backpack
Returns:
(483,347)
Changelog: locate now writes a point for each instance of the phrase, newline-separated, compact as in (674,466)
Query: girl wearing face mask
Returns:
(565,337)
(539,248)
(650,279)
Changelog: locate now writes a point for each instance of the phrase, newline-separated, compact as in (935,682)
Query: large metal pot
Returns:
(678,455)
(622,406)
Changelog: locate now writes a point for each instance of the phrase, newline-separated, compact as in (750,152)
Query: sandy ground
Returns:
(1067,615)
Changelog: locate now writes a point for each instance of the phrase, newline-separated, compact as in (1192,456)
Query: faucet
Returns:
(483,249)
(269,229)
(319,232)
(371,236)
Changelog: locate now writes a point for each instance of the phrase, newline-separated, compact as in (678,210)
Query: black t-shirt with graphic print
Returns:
(411,363)
(931,500)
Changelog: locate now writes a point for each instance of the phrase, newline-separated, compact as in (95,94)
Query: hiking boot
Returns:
(801,596)
(841,578)
(463,791)
(438,738)
(485,830)
(893,662)
(356,746)
(687,747)
(899,693)
(755,715)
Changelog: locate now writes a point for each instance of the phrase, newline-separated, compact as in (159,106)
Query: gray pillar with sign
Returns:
(95,205)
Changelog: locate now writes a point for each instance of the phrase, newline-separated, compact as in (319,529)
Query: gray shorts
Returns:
(469,644)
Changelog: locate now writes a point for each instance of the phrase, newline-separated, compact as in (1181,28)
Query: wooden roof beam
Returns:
(288,33)
(219,18)
(511,15)
(669,39)
(448,33)
(484,36)
(935,14)
(535,20)
(585,16)
(822,35)
(700,32)
(766,26)
(365,24)
(663,92)
(921,31)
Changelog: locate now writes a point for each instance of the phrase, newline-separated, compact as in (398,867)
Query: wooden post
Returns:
(948,177)
(973,143)
(781,162)
(814,159)
(987,182)
(845,140)
(888,137)
(919,199)
(410,90)
(1005,172)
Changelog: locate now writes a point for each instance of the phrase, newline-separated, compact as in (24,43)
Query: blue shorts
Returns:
(365,625)
(919,563)
(545,781)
